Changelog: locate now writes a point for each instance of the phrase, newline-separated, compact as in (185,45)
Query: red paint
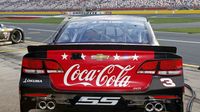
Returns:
(165,97)
(32,63)
(110,79)
(171,64)
(36,95)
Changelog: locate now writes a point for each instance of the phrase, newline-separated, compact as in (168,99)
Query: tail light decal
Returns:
(161,67)
(40,66)
(32,63)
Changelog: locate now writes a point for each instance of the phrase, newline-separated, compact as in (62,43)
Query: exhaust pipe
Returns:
(51,105)
(42,105)
(149,107)
(158,107)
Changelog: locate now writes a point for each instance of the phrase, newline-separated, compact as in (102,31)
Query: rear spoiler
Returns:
(166,49)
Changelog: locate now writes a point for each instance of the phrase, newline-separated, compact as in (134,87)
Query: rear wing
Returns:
(165,49)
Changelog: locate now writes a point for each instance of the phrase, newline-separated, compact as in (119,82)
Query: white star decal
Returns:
(116,57)
(64,56)
(135,57)
(83,56)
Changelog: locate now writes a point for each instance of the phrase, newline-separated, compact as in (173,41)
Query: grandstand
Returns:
(16,5)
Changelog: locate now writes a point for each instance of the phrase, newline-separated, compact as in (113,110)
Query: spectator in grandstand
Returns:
(95,4)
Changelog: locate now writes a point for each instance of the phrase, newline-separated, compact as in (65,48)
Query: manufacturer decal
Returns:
(32,81)
(111,75)
(99,57)
(84,100)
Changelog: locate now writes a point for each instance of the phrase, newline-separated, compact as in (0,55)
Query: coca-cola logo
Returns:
(104,77)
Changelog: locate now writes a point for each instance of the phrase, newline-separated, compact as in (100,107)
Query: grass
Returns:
(152,20)
(173,20)
(40,20)
(58,20)
(181,30)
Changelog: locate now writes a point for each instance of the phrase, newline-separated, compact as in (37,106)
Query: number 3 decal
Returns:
(167,82)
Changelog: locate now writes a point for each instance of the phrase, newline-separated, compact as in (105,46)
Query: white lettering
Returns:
(111,75)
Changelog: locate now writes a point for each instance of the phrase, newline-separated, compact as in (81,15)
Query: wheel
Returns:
(176,106)
(16,36)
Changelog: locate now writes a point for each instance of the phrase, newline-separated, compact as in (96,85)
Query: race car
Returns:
(11,33)
(102,63)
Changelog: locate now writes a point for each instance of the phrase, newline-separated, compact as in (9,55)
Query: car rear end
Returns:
(102,76)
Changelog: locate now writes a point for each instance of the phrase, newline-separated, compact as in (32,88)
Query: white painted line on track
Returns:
(190,65)
(180,41)
(28,23)
(5,43)
(33,29)
(12,50)
(178,33)
(170,32)
(28,37)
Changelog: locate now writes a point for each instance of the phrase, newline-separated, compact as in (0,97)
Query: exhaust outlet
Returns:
(51,105)
(42,105)
(149,107)
(158,107)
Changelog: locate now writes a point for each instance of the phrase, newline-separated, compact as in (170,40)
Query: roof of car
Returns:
(108,17)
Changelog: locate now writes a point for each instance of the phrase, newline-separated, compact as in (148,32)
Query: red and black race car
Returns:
(102,63)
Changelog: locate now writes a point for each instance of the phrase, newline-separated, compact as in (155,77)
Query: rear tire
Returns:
(16,36)
(26,104)
(24,107)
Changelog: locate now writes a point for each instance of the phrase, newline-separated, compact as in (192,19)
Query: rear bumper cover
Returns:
(42,84)
(35,89)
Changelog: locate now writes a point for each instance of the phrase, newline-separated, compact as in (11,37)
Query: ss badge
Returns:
(84,100)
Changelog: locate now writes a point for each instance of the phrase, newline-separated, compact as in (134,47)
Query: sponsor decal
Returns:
(6,35)
(111,75)
(86,13)
(137,88)
(32,81)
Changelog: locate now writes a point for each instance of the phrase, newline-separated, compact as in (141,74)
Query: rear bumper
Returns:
(171,98)
(125,103)
(171,91)
(42,84)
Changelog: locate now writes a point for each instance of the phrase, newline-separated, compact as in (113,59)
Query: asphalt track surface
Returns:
(188,45)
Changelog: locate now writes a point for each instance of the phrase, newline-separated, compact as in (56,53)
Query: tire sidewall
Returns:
(12,37)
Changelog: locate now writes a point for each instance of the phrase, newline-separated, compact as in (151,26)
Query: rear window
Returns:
(104,31)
